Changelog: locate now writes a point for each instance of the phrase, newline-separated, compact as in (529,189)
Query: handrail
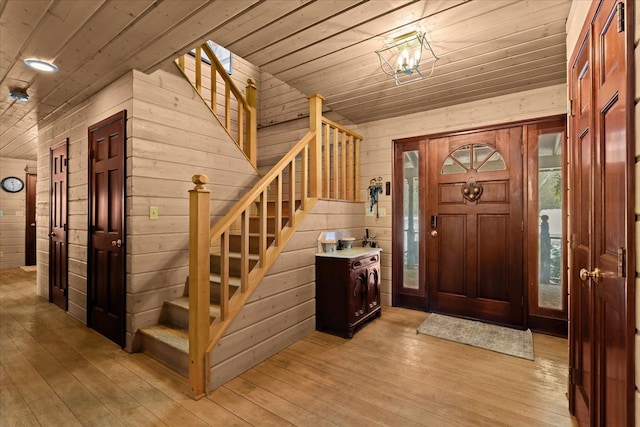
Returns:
(341,128)
(246,132)
(250,198)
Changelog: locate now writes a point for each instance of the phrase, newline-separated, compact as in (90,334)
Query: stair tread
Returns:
(239,233)
(177,338)
(252,257)
(233,281)
(214,309)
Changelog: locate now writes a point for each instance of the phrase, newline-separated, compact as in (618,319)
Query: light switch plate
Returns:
(382,212)
(153,212)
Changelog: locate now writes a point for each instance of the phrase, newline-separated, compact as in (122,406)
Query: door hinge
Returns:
(572,241)
(571,108)
(620,17)
(574,378)
(522,227)
(622,253)
(521,150)
(522,302)
(65,162)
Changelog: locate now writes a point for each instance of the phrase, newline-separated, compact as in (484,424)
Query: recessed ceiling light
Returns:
(41,65)
(19,95)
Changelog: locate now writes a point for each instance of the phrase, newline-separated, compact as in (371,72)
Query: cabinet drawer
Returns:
(364,261)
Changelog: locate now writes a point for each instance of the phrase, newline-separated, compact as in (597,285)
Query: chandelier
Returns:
(408,58)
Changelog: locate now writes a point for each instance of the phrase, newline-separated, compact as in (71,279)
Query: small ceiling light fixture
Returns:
(406,57)
(19,95)
(41,65)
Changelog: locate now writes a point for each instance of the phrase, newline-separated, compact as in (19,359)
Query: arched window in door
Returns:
(473,157)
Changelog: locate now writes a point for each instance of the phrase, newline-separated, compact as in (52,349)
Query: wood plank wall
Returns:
(376,152)
(112,99)
(171,136)
(13,207)
(174,137)
(241,71)
(282,309)
(283,119)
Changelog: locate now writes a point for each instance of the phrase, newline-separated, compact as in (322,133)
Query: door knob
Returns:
(434,233)
(33,224)
(52,234)
(117,243)
(596,274)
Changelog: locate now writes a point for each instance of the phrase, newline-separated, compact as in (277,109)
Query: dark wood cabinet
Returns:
(347,290)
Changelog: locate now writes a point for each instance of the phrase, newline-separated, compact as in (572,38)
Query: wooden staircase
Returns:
(168,341)
(228,261)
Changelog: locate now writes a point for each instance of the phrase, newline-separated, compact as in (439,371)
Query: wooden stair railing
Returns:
(278,203)
(244,129)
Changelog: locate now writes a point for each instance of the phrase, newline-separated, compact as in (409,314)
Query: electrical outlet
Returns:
(19,213)
(153,212)
(382,212)
(368,211)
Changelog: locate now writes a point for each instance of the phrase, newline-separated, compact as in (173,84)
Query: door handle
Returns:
(434,221)
(33,224)
(596,274)
(52,234)
(117,243)
(434,233)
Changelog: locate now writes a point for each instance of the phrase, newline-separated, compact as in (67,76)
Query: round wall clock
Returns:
(12,184)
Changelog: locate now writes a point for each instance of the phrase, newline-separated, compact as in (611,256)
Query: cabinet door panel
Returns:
(373,287)
(357,296)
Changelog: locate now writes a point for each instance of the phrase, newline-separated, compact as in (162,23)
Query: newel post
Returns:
(252,121)
(199,243)
(315,146)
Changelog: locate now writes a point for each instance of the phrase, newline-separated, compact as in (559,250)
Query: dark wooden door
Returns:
(30,223)
(106,269)
(475,226)
(58,273)
(602,328)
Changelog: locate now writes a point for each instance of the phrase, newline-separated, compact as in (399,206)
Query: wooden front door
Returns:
(30,224)
(58,225)
(601,276)
(106,266)
(475,226)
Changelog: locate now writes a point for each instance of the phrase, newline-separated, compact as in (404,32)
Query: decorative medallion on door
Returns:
(471,191)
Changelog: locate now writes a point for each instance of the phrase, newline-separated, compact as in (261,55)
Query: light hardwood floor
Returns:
(54,371)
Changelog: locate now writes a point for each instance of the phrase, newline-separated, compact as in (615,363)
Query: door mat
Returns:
(491,337)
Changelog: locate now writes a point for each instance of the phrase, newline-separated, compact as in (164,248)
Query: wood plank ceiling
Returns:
(485,48)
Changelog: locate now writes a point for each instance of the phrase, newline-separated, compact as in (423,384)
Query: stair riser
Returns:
(235,242)
(234,265)
(254,224)
(214,292)
(271,207)
(172,357)
(175,315)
